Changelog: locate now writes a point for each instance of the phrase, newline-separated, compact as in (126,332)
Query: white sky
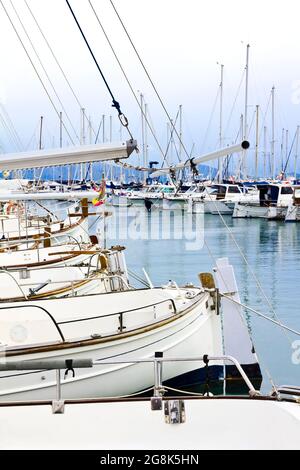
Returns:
(180,43)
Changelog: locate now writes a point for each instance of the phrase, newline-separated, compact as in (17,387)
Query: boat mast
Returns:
(281,148)
(110,140)
(60,129)
(286,146)
(241,155)
(90,142)
(257,141)
(103,140)
(143,131)
(82,140)
(40,142)
(180,131)
(146,141)
(273,135)
(296,153)
(265,149)
(246,110)
(220,161)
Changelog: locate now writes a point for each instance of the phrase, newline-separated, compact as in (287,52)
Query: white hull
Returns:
(256,211)
(208,207)
(217,207)
(196,332)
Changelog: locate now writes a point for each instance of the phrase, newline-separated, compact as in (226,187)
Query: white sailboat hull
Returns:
(194,333)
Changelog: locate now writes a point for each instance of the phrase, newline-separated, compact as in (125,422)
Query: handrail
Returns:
(41,308)
(157,362)
(120,313)
(4,271)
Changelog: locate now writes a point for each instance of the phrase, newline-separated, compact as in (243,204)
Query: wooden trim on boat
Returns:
(94,341)
(62,290)
(29,237)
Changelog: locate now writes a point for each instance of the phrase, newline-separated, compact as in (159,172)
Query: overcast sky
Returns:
(180,43)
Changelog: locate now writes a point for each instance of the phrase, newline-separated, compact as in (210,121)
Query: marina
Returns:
(148,281)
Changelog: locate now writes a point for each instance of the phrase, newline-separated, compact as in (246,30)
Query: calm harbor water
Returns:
(271,248)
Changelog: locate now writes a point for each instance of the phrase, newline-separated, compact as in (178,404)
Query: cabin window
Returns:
(234,189)
(286,190)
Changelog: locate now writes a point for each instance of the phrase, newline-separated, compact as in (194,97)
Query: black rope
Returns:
(115,103)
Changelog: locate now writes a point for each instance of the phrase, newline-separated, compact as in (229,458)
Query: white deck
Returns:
(210,424)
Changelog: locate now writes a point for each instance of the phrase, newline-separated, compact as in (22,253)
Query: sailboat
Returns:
(117,323)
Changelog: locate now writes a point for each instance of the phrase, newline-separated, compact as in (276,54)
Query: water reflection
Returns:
(273,252)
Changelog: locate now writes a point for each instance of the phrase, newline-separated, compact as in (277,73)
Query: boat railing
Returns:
(286,390)
(120,320)
(69,365)
(121,315)
(54,322)
(15,282)
(9,242)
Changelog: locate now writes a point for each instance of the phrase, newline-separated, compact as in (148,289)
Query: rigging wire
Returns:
(127,80)
(12,128)
(57,62)
(10,136)
(291,148)
(149,78)
(242,318)
(170,141)
(45,71)
(278,323)
(115,103)
(214,202)
(35,69)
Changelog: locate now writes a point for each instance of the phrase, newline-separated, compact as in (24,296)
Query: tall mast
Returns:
(90,142)
(242,154)
(273,135)
(296,153)
(103,140)
(82,140)
(171,141)
(220,161)
(146,141)
(286,146)
(110,140)
(246,109)
(281,148)
(143,130)
(60,129)
(41,133)
(40,143)
(180,131)
(257,141)
(265,150)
